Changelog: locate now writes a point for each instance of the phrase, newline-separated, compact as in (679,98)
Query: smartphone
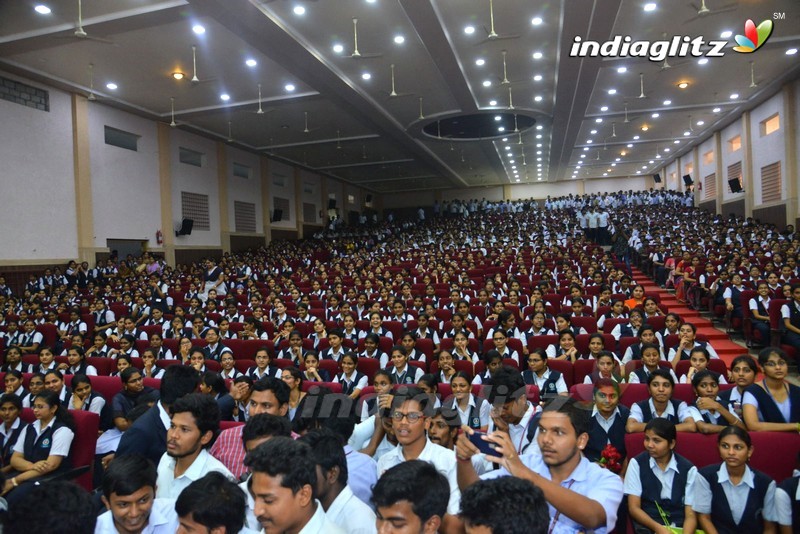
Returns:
(486,447)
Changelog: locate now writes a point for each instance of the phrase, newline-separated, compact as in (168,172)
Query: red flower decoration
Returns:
(610,459)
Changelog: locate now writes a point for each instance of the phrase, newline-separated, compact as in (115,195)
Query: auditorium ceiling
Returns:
(401,95)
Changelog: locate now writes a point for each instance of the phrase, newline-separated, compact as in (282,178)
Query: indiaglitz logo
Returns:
(754,37)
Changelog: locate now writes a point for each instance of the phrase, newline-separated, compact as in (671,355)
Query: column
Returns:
(164,132)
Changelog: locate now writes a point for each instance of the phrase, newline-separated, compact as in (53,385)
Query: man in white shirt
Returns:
(283,486)
(341,505)
(129,489)
(225,516)
(410,413)
(194,422)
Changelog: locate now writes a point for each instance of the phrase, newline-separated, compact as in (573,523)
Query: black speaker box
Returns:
(735,186)
(277,215)
(186,227)
(657,178)
(331,203)
(687,179)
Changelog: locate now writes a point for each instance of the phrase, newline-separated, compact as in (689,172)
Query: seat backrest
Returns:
(582,392)
(368,366)
(581,369)
(633,393)
(335,387)
(564,367)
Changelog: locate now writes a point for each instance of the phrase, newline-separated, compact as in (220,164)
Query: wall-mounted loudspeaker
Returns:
(687,179)
(331,203)
(735,186)
(368,199)
(277,215)
(657,178)
(186,227)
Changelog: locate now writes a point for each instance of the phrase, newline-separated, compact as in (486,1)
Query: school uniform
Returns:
(329,354)
(640,375)
(550,384)
(215,352)
(81,369)
(156,373)
(604,431)
(685,354)
(735,508)
(770,411)
(409,375)
(644,411)
(356,380)
(232,375)
(256,374)
(787,502)
(8,438)
(477,414)
(382,357)
(671,489)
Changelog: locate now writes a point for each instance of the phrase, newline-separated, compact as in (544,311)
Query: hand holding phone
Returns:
(486,447)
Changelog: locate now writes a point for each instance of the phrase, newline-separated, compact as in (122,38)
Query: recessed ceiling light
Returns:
(299,10)
(630,145)
(585,149)
(513,167)
(687,133)
(371,1)
(366,76)
(605,174)
(498,118)
(617,159)
(598,120)
(676,142)
(251,62)
(511,160)
(537,98)
(604,108)
(501,129)
(644,166)
(538,145)
(539,127)
(683,85)
(224,97)
(517,180)
(508,147)
(635,137)
(42,9)
(667,149)
(726,34)
(538,152)
(593,132)
(289,87)
(536,21)
(538,136)
(537,55)
(480,62)
(716,110)
(650,6)
(177,75)
(612,91)
(655,115)
(538,159)
(537,78)
(198,29)
(700,123)
(589,141)
(791,52)
(505,139)
(338,48)
(111,85)
(702,60)
(734,96)
(399,39)
(645,127)
(487,83)
(492,102)
(667,102)
(583,155)
(469,30)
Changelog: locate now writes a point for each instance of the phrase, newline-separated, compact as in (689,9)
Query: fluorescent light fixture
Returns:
(251,62)
(111,85)
(42,9)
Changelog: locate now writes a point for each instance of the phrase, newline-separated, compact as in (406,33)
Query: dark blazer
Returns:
(146,436)
(226,404)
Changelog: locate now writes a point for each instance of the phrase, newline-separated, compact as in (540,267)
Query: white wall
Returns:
(244,189)
(311,193)
(612,185)
(37,179)
(770,148)
(705,168)
(125,184)
(202,180)
(281,184)
(492,194)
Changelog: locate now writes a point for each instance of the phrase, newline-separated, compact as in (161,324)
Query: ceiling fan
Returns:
(505,80)
(306,129)
(393,93)
(491,34)
(172,112)
(356,53)
(195,80)
(261,110)
(91,96)
(80,33)
(704,11)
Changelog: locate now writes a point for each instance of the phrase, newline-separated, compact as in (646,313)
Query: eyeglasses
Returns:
(412,417)
(775,363)
(499,338)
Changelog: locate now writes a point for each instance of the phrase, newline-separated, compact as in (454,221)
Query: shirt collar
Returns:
(669,411)
(317,521)
(164,415)
(596,412)
(340,502)
(747,478)
(672,465)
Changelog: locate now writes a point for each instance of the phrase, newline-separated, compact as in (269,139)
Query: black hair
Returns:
(429,380)
(214,381)
(747,360)
(412,393)
(336,332)
(578,414)
(127,373)
(276,386)
(705,373)
(736,431)
(13,399)
(450,416)
(663,428)
(127,474)
(56,372)
(382,372)
(178,380)
(327,451)
(509,505)
(701,350)
(663,373)
(79,379)
(766,352)
(78,349)
(285,458)
(204,410)
(417,482)
(57,506)
(372,336)
(507,386)
(492,355)
(230,502)
(265,425)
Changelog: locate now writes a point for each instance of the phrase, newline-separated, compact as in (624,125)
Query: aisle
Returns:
(721,342)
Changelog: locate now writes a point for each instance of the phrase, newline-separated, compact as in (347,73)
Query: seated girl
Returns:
(711,415)
(660,385)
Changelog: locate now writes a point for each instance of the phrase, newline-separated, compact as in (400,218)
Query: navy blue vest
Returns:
(685,354)
(636,351)
(790,487)
(349,387)
(474,416)
(625,330)
(769,410)
(599,438)
(643,375)
(549,388)
(38,449)
(651,490)
(794,314)
(752,518)
(647,415)
(7,445)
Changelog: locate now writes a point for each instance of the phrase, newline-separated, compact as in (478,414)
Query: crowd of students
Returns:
(476,305)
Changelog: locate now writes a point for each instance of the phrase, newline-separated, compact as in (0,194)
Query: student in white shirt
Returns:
(195,514)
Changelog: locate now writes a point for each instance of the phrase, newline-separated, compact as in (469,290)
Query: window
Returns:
(708,157)
(770,125)
(121,139)
(735,143)
(771,182)
(242,171)
(309,212)
(281,204)
(190,157)
(244,215)
(710,186)
(195,206)
(351,199)
(688,168)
